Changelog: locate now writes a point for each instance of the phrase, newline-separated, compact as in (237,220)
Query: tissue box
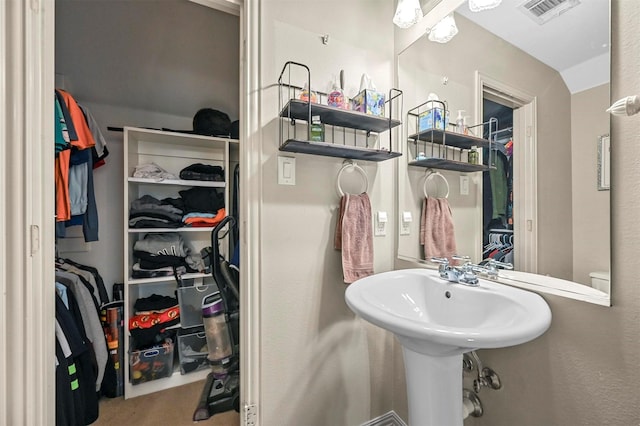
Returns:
(432,118)
(369,102)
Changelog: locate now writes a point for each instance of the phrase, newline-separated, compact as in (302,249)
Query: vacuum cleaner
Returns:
(220,314)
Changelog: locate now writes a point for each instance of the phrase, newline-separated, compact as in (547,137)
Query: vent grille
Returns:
(542,11)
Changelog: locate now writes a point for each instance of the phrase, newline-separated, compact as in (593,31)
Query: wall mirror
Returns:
(538,207)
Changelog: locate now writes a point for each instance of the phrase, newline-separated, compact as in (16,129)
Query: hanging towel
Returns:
(436,229)
(354,236)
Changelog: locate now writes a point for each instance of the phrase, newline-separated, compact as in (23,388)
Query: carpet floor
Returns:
(173,407)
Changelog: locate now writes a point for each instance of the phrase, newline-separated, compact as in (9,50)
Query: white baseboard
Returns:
(388,419)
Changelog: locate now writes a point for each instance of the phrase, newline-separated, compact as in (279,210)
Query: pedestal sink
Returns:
(436,321)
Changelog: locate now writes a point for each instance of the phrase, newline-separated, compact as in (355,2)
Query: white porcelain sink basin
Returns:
(436,322)
(436,317)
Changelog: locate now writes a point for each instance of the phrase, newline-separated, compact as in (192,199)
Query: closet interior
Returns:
(497,190)
(144,191)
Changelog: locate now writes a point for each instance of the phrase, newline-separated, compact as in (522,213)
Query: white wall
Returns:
(591,218)
(320,365)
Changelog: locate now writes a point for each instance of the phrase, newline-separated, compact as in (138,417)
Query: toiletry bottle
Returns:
(473,156)
(460,125)
(336,96)
(304,95)
(317,129)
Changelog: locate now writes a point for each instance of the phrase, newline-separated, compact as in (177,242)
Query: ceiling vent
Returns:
(542,11)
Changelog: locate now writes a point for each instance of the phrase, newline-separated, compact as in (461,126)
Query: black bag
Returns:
(211,122)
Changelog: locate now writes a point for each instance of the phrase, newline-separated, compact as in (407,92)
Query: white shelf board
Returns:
(136,281)
(156,230)
(179,182)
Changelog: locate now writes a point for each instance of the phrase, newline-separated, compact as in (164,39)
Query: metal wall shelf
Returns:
(444,164)
(299,110)
(335,150)
(452,139)
(444,149)
(360,147)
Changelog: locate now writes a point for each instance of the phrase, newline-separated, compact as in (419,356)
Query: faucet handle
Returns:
(441,260)
(497,264)
(465,259)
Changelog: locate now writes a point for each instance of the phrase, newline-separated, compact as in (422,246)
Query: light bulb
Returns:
(408,13)
(625,106)
(480,5)
(444,30)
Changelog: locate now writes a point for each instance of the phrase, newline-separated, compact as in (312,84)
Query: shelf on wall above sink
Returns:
(443,164)
(335,150)
(451,139)
(299,110)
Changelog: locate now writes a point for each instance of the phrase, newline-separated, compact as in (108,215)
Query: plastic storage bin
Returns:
(190,301)
(192,350)
(151,364)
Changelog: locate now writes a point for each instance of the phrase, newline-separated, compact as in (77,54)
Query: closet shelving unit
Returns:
(355,146)
(444,149)
(172,151)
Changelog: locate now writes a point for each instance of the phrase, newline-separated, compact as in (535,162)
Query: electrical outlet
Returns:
(405,224)
(380,228)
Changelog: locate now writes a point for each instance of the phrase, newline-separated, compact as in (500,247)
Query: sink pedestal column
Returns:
(434,389)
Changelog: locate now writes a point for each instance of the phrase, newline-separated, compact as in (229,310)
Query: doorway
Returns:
(519,108)
(497,185)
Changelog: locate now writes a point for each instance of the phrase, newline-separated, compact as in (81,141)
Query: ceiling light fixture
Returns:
(444,30)
(480,5)
(408,13)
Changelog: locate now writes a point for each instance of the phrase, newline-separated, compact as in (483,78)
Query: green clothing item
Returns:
(61,133)
(499,189)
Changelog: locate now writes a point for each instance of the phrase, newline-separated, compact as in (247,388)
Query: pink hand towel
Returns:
(354,236)
(436,229)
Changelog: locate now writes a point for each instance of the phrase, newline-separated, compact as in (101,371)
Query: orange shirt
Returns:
(85,141)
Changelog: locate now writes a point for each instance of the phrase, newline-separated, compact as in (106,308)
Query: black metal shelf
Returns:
(444,164)
(335,150)
(451,139)
(299,110)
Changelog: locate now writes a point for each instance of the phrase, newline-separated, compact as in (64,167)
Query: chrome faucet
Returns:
(491,268)
(464,274)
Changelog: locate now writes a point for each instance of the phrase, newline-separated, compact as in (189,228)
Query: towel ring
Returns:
(351,165)
(431,174)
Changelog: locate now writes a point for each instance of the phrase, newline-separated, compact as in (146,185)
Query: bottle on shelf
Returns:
(473,156)
(317,129)
(461,126)
(308,93)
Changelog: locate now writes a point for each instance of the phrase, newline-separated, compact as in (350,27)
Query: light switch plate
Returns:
(405,223)
(286,170)
(380,224)
(464,185)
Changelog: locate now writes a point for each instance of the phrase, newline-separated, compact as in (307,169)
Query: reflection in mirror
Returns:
(537,206)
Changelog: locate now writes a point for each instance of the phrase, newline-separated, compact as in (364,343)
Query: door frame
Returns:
(525,167)
(27,335)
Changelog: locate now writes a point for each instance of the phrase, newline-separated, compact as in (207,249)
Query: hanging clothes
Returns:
(75,197)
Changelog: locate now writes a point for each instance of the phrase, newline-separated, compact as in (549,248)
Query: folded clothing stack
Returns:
(149,212)
(158,251)
(203,172)
(202,206)
(152,319)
